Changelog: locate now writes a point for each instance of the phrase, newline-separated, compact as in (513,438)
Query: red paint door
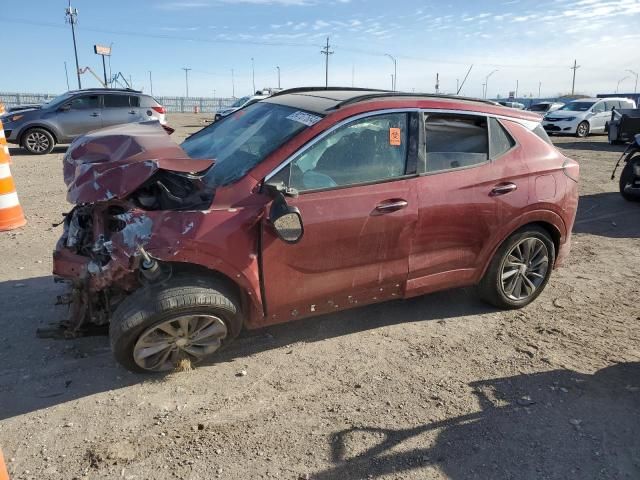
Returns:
(353,252)
(358,204)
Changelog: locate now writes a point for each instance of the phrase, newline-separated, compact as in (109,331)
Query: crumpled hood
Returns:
(113,162)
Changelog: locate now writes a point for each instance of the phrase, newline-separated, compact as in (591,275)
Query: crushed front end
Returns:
(126,190)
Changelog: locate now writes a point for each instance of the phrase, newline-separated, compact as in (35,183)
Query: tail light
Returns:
(160,109)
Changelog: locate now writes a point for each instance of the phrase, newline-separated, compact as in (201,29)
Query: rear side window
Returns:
(542,134)
(500,140)
(455,141)
(611,104)
(134,101)
(116,101)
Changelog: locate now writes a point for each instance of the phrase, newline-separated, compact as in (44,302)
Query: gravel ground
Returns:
(438,387)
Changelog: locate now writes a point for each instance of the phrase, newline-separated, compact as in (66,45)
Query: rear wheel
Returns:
(520,269)
(582,130)
(626,177)
(38,141)
(186,318)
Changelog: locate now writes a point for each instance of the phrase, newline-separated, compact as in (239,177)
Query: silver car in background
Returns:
(67,116)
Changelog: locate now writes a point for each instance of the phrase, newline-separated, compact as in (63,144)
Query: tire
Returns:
(582,130)
(38,141)
(626,177)
(492,289)
(135,324)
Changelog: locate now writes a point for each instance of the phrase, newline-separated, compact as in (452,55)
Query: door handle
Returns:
(502,189)
(389,206)
(132,112)
(94,114)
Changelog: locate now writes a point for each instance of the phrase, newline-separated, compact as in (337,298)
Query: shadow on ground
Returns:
(552,425)
(15,151)
(589,144)
(38,373)
(608,215)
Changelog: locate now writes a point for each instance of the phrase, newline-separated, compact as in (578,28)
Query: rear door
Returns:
(358,203)
(117,110)
(467,193)
(600,116)
(80,115)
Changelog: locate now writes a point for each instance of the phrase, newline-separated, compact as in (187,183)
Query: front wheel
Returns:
(156,327)
(582,130)
(38,141)
(519,270)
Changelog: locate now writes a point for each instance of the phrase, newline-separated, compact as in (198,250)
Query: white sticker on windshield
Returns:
(305,118)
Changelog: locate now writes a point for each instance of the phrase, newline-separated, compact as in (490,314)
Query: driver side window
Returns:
(367,150)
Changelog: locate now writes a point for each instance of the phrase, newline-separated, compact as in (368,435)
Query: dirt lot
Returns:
(439,387)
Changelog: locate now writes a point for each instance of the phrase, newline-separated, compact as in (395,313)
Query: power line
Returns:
(326,52)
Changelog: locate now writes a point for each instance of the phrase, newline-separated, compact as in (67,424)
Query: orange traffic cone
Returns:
(4,475)
(11,215)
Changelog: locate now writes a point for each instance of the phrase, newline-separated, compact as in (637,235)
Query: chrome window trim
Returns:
(528,124)
(324,134)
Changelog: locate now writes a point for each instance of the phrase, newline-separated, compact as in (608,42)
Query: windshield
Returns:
(242,140)
(240,102)
(578,106)
(57,100)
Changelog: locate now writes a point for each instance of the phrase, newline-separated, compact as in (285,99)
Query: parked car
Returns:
(545,107)
(75,113)
(516,105)
(245,102)
(584,116)
(308,202)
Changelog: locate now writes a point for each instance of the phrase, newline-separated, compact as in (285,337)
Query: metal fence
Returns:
(172,104)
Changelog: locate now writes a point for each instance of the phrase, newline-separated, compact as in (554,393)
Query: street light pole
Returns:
(620,81)
(72,18)
(186,78)
(486,83)
(278,76)
(233,85)
(395,70)
(151,82)
(635,74)
(253,74)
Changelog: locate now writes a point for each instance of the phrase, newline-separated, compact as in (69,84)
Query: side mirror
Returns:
(286,220)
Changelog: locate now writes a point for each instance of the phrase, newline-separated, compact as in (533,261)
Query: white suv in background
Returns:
(584,116)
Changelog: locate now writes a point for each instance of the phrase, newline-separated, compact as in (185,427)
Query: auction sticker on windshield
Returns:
(305,118)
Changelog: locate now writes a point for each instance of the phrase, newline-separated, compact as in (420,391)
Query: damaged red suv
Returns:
(310,201)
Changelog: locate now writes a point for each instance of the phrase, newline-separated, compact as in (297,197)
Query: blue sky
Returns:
(528,41)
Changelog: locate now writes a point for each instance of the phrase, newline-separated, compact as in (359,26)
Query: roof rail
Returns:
(327,89)
(370,96)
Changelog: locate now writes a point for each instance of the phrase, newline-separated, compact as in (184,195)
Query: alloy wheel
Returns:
(524,269)
(583,129)
(37,142)
(162,346)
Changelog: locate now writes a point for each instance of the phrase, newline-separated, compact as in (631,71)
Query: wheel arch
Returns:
(46,127)
(547,220)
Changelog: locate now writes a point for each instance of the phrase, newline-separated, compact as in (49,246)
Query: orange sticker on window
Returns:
(394,136)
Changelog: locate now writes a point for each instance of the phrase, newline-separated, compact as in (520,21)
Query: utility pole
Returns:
(635,74)
(66,74)
(278,76)
(457,85)
(72,18)
(353,75)
(539,89)
(395,71)
(437,83)
(517,86)
(150,82)
(233,85)
(186,78)
(253,74)
(326,52)
(574,68)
